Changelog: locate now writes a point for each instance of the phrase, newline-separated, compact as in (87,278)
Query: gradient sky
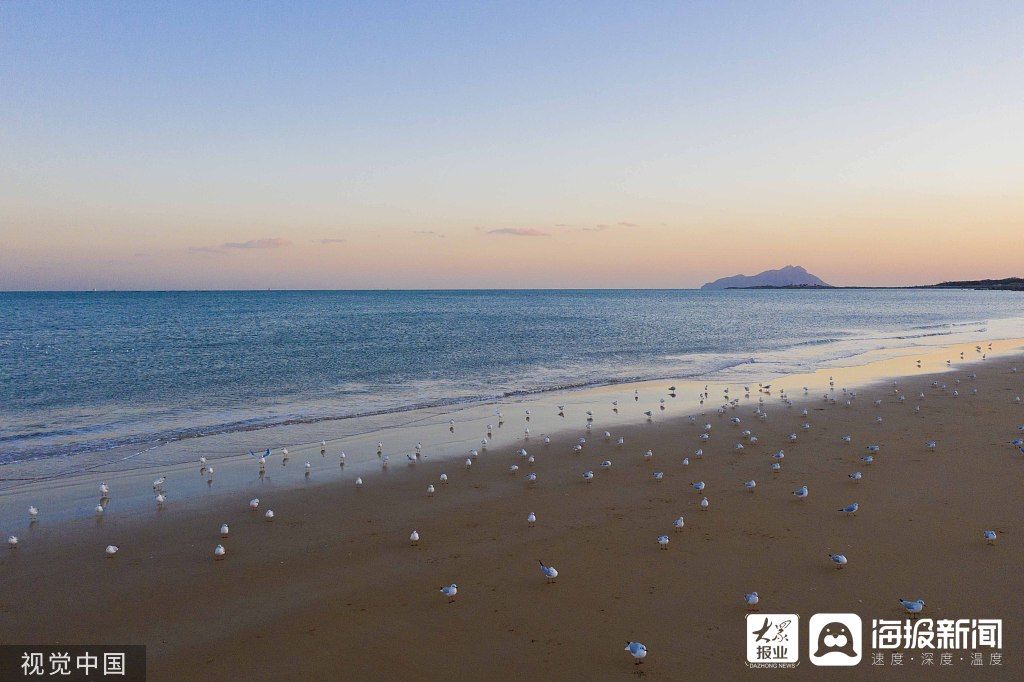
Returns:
(407,145)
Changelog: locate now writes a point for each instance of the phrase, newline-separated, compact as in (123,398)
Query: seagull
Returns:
(751,599)
(12,542)
(254,503)
(801,492)
(637,650)
(450,591)
(679,523)
(874,448)
(531,519)
(104,491)
(588,476)
(659,475)
(160,501)
(867,459)
(686,461)
(549,571)
(532,478)
(663,541)
(219,552)
(856,476)
(99,510)
(913,607)
(606,464)
(469,463)
(704,504)
(850,509)
(776,467)
(930,445)
(792,437)
(414,537)
(359,482)
(649,454)
(224,530)
(513,468)
(846,439)
(111,550)
(750,485)
(444,478)
(269,516)
(33,514)
(838,559)
(699,486)
(990,537)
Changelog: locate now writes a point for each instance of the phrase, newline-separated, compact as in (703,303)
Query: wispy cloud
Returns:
(428,233)
(330,240)
(269,243)
(625,224)
(520,232)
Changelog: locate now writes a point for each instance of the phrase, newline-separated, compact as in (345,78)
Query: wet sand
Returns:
(332,588)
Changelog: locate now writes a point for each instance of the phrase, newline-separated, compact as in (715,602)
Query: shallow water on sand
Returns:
(102,378)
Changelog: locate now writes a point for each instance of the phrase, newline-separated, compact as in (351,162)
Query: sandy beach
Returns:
(333,588)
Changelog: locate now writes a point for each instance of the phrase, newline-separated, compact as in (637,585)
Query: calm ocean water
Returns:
(84,372)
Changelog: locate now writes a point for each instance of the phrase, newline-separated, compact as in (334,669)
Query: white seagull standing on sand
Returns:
(450,591)
(430,489)
(856,476)
(838,559)
(850,509)
(99,510)
(531,519)
(33,514)
(111,550)
(414,538)
(219,552)
(254,503)
(990,537)
(679,523)
(801,492)
(359,482)
(224,530)
(12,542)
(913,607)
(588,476)
(752,600)
(637,650)
(663,541)
(699,486)
(104,491)
(704,504)
(269,516)
(549,571)
(750,485)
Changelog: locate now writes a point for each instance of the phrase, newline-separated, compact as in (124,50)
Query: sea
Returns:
(88,372)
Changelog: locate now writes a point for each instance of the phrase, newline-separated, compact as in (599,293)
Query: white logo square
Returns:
(773,637)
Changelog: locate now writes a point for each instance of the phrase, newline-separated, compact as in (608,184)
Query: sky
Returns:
(238,145)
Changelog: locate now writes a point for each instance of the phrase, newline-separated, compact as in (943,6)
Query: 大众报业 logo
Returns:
(772,638)
(835,639)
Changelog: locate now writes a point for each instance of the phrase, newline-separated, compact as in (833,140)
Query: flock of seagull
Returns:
(636,649)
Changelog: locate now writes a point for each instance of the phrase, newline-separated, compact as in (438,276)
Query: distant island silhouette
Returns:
(791,276)
(796,277)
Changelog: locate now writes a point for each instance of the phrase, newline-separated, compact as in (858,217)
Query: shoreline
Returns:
(67,493)
(332,584)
